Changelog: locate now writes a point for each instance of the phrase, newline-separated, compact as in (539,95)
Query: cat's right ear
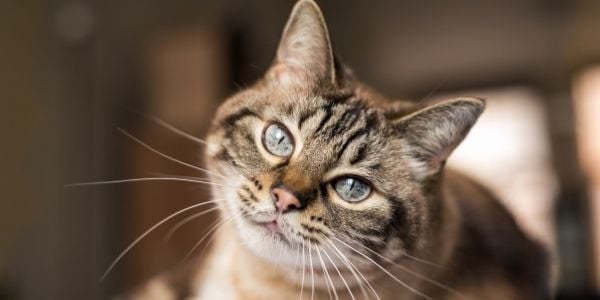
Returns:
(304,56)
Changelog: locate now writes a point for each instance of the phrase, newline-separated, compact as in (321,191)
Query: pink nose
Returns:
(284,200)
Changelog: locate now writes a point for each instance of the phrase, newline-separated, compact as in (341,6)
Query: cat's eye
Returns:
(277,140)
(352,189)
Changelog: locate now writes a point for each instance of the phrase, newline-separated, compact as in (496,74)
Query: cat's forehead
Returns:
(332,130)
(302,107)
(327,117)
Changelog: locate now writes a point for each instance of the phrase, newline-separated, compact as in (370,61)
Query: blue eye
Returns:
(352,189)
(277,140)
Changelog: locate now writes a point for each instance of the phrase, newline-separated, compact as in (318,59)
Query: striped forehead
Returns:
(336,130)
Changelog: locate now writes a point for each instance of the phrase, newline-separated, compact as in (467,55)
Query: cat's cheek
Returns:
(226,193)
(231,201)
(213,145)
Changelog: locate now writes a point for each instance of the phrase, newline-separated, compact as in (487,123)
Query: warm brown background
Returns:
(71,71)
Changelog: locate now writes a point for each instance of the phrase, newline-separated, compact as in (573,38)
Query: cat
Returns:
(330,190)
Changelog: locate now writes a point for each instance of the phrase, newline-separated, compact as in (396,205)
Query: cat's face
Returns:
(302,168)
(308,160)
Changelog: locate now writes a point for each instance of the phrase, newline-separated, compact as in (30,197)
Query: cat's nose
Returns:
(285,200)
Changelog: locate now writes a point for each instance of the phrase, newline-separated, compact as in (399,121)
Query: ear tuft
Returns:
(434,132)
(304,55)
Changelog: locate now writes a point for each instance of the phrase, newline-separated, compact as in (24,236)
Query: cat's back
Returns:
(492,246)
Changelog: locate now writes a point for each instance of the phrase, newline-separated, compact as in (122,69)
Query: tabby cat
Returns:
(332,191)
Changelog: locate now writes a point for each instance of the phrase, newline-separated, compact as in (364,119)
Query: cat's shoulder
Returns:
(491,241)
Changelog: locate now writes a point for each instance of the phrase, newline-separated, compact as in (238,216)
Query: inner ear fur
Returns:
(304,55)
(432,133)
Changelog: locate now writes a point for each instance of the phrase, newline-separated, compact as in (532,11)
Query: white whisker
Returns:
(297,256)
(406,269)
(358,280)
(136,241)
(340,273)
(426,262)
(420,260)
(144,179)
(385,271)
(167,156)
(171,127)
(303,268)
(179,132)
(327,278)
(161,174)
(352,268)
(312,273)
(194,178)
(221,223)
(209,241)
(179,224)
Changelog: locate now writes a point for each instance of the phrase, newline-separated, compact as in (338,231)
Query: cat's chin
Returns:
(268,241)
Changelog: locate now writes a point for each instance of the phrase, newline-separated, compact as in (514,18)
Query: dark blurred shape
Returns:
(8,291)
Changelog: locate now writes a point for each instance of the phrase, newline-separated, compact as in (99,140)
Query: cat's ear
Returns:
(304,55)
(433,132)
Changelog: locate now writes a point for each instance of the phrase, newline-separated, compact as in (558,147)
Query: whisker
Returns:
(303,268)
(340,273)
(194,178)
(144,179)
(406,269)
(167,156)
(221,223)
(161,174)
(385,270)
(214,235)
(136,241)
(181,223)
(179,132)
(352,268)
(237,169)
(423,261)
(297,257)
(312,274)
(296,265)
(169,126)
(209,242)
(327,275)
(358,280)
(182,133)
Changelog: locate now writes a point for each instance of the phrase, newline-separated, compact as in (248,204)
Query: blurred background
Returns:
(73,71)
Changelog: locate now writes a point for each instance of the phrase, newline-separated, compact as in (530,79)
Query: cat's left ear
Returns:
(433,132)
(305,56)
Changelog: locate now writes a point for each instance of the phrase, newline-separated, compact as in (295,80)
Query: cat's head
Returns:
(309,158)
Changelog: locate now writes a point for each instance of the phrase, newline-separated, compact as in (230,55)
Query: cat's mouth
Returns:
(273,225)
(274,228)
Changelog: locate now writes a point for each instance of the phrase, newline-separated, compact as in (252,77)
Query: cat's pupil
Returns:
(352,189)
(277,141)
